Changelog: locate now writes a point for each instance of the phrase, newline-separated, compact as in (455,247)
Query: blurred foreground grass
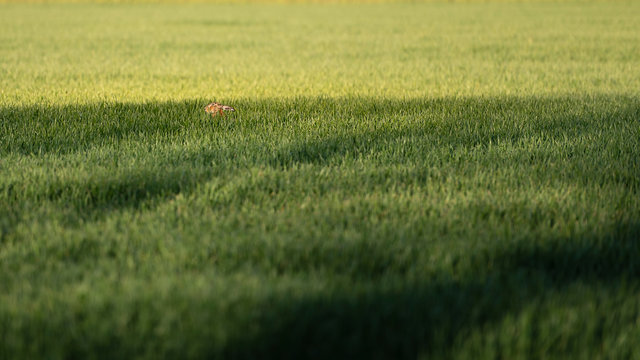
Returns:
(455,180)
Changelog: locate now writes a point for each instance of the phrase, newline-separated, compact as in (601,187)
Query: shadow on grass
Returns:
(389,316)
(45,129)
(335,128)
(389,321)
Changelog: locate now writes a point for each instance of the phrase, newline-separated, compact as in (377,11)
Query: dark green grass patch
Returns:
(399,180)
(319,227)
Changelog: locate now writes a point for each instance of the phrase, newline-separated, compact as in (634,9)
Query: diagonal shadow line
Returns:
(426,319)
(394,317)
(444,122)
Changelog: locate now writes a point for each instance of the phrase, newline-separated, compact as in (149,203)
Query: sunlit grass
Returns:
(399,180)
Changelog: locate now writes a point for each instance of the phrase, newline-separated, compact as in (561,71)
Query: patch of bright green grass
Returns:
(399,181)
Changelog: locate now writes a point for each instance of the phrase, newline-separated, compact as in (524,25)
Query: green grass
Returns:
(399,181)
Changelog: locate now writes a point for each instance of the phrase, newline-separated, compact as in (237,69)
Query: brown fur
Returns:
(215,108)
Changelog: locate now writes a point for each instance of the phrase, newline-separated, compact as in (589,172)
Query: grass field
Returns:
(398,181)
